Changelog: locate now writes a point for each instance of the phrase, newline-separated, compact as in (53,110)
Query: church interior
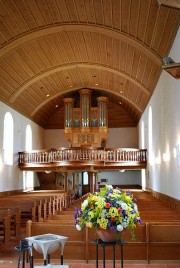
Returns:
(89,100)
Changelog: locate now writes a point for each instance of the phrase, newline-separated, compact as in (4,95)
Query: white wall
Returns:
(164,176)
(11,176)
(118,137)
(123,137)
(128,177)
(55,138)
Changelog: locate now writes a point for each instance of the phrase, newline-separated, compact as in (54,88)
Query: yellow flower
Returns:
(113,212)
(102,223)
(89,224)
(94,198)
(90,215)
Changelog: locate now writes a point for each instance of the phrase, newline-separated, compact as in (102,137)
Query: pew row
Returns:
(5,224)
(154,241)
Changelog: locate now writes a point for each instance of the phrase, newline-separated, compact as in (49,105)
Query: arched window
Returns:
(8,139)
(28,138)
(142,135)
(150,136)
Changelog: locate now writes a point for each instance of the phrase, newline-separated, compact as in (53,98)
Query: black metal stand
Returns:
(113,245)
(24,250)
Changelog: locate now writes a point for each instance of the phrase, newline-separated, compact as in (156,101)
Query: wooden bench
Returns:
(154,241)
(15,220)
(5,224)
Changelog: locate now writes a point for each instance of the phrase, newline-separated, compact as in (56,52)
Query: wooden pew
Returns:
(15,220)
(5,224)
(154,241)
(164,241)
(75,245)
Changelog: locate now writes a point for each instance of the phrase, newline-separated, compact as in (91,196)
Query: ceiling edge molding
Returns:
(79,28)
(71,66)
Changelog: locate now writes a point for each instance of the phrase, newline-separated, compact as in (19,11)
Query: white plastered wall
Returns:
(11,177)
(164,176)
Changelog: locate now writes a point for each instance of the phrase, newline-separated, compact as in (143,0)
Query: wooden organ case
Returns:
(86,125)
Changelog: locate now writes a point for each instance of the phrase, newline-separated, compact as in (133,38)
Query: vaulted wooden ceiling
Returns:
(49,49)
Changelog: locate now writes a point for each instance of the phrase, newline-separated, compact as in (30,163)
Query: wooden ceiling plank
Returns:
(141,67)
(160,28)
(155,71)
(134,18)
(30,58)
(53,50)
(151,22)
(21,60)
(5,89)
(23,15)
(135,63)
(144,7)
(66,42)
(47,53)
(81,48)
(72,11)
(109,51)
(39,55)
(116,54)
(173,21)
(38,20)
(89,46)
(125,15)
(123,54)
(98,10)
(129,60)
(96,46)
(8,17)
(116,11)
(45,12)
(54,10)
(81,11)
(11,66)
(90,11)
(8,78)
(107,12)
(63,10)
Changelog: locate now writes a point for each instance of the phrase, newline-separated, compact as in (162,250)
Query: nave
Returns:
(146,203)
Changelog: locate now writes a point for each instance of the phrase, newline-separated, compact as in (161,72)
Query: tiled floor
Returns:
(13,264)
(9,258)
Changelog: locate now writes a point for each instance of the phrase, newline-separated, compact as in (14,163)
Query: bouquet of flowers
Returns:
(108,208)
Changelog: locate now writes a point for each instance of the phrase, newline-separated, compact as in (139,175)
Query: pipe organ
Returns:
(86,125)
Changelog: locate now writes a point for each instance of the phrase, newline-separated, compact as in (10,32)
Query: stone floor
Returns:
(9,259)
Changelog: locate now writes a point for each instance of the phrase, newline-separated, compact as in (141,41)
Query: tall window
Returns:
(8,139)
(142,135)
(150,137)
(28,138)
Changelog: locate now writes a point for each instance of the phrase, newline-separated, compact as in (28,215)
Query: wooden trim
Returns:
(170,201)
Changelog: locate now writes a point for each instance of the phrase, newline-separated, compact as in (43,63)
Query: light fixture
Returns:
(169,3)
(121,170)
(47,171)
(171,67)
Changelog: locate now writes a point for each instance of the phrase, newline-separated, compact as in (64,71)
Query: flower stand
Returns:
(103,244)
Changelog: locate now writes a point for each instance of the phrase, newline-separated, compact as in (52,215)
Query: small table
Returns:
(47,243)
(99,242)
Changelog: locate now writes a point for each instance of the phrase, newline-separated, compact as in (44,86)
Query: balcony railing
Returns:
(83,156)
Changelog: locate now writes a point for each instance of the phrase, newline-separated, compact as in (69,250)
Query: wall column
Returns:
(65,181)
(91,181)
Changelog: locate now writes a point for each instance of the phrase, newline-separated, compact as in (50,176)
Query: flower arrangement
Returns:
(108,208)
